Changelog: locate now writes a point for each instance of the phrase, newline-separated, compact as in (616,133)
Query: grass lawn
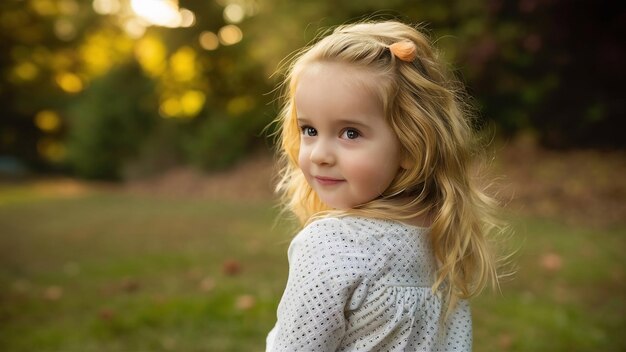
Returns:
(119,272)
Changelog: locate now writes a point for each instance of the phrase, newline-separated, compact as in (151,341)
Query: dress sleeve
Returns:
(322,278)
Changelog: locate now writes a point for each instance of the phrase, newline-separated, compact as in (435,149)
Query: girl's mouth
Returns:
(328,181)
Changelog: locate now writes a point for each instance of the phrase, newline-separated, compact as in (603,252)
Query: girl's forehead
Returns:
(336,67)
(335,91)
(337,74)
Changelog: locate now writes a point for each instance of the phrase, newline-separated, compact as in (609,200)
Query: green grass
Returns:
(116,272)
(579,305)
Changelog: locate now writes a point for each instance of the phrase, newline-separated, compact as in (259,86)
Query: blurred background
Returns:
(136,207)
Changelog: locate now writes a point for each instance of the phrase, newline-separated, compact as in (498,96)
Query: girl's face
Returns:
(348,153)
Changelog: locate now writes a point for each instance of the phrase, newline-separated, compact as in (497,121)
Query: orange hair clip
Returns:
(404,50)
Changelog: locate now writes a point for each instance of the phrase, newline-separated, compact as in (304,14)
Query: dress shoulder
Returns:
(330,235)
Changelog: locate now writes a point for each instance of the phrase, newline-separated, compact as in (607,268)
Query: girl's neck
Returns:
(419,221)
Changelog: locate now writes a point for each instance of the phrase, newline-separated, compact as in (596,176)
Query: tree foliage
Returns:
(99,93)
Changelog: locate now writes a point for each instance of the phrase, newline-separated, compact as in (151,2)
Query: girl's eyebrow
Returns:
(302,120)
(342,122)
(347,122)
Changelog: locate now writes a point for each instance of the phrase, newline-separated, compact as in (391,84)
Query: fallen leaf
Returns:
(245,302)
(130,285)
(505,341)
(53,293)
(231,267)
(207,284)
(551,262)
(106,314)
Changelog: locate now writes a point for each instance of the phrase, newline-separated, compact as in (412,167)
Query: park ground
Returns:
(186,261)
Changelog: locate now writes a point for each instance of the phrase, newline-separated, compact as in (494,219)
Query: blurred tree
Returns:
(553,67)
(107,73)
(99,86)
(109,122)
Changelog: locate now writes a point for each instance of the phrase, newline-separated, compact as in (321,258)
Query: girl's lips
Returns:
(327,181)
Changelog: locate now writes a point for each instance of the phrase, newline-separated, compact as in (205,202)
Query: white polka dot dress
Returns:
(360,284)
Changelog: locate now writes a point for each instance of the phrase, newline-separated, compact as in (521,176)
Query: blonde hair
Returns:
(425,108)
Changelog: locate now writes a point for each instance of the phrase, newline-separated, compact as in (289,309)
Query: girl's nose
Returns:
(322,153)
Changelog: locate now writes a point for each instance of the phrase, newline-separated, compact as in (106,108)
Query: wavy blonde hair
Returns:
(426,109)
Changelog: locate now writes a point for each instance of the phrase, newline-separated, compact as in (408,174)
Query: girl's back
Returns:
(366,284)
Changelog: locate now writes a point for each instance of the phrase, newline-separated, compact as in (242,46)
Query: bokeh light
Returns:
(230,34)
(208,40)
(151,52)
(48,121)
(69,82)
(50,149)
(68,7)
(43,7)
(183,64)
(99,52)
(64,29)
(163,13)
(192,102)
(106,7)
(134,27)
(25,71)
(170,107)
(187,18)
(185,105)
(234,13)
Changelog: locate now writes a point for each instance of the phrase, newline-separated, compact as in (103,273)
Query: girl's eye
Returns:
(351,133)
(309,131)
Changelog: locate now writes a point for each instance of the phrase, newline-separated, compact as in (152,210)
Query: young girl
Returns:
(376,150)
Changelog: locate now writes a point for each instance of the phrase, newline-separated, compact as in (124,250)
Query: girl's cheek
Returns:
(302,157)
